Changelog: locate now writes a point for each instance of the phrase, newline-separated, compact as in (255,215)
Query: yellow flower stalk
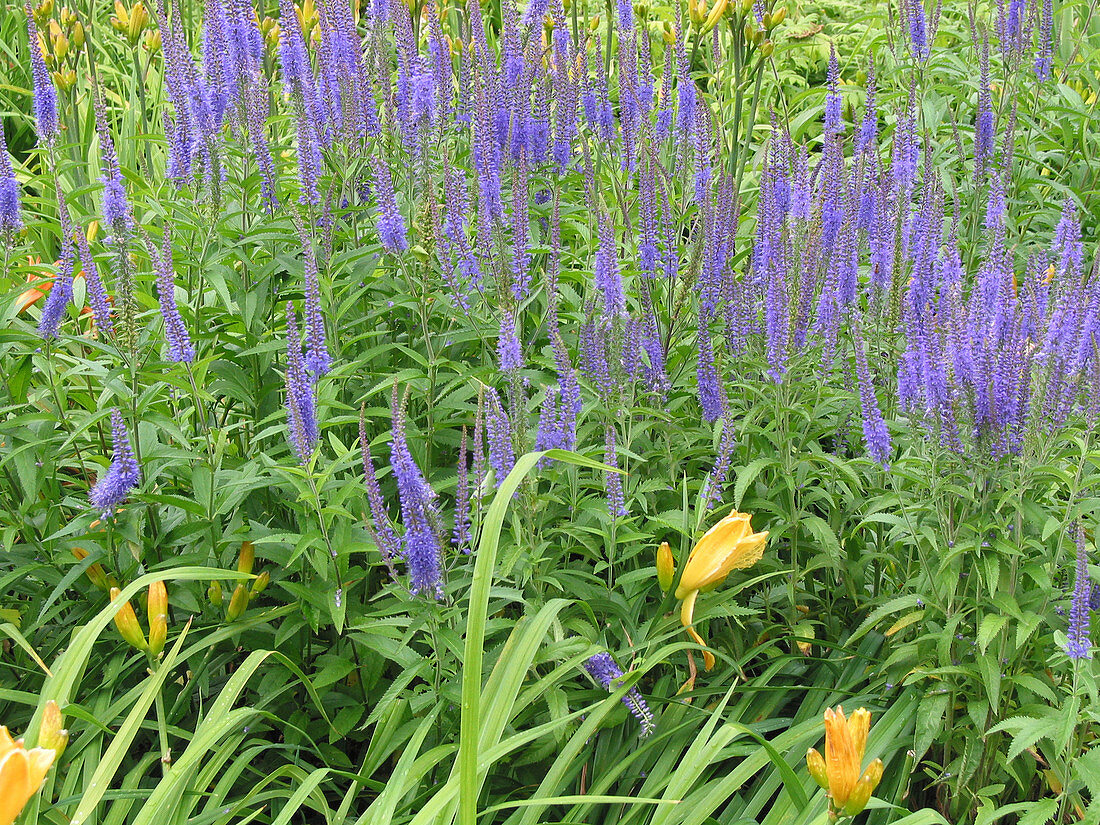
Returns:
(727,546)
(21,774)
(839,770)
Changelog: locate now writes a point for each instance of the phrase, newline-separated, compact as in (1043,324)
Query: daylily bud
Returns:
(594,23)
(816,764)
(246,558)
(152,41)
(158,617)
(259,585)
(51,735)
(668,35)
(778,16)
(715,15)
(666,566)
(139,19)
(766,48)
(237,603)
(77,35)
(65,79)
(214,594)
(127,624)
(68,17)
(95,572)
(120,20)
(866,785)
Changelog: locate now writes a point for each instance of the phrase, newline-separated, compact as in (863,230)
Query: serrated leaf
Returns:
(746,476)
(989,627)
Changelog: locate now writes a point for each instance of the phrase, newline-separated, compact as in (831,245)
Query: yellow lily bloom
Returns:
(729,545)
(21,774)
(839,770)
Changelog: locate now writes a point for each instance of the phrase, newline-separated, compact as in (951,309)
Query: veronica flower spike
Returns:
(122,476)
(727,546)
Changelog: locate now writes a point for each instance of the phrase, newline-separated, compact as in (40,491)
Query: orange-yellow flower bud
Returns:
(666,566)
(95,572)
(246,558)
(845,742)
(237,603)
(214,594)
(861,793)
(259,585)
(816,764)
(22,772)
(158,617)
(50,734)
(127,624)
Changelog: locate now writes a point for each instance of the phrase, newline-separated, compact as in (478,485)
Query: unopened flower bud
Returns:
(77,35)
(767,48)
(816,764)
(666,567)
(866,785)
(259,585)
(246,558)
(214,594)
(139,19)
(65,79)
(95,572)
(51,735)
(157,607)
(127,624)
(237,603)
(152,41)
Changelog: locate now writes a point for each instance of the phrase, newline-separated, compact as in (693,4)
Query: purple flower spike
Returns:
(10,219)
(121,477)
(1078,641)
(603,669)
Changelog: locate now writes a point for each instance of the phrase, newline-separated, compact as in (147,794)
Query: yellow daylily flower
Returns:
(839,770)
(728,545)
(21,774)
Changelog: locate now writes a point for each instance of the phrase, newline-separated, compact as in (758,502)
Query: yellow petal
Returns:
(732,528)
(840,759)
(715,561)
(687,616)
(6,742)
(858,726)
(15,784)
